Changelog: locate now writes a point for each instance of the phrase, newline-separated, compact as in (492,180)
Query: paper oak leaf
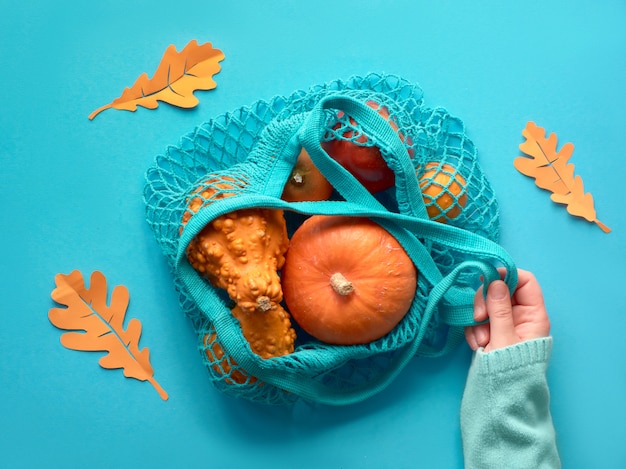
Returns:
(178,75)
(552,172)
(96,326)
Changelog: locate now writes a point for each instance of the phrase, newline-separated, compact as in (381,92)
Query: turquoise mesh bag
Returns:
(250,154)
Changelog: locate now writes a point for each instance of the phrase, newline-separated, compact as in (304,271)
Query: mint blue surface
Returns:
(71,197)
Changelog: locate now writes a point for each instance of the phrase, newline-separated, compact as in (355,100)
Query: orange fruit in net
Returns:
(358,155)
(306,182)
(443,191)
(222,365)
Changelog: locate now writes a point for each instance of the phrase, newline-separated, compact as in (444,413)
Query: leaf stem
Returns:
(158,388)
(602,226)
(99,110)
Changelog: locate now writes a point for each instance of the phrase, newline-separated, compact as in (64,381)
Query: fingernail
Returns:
(498,290)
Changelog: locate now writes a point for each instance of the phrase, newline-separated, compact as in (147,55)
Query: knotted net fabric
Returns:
(237,157)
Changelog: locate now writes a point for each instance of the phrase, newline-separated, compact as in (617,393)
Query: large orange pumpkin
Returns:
(346,280)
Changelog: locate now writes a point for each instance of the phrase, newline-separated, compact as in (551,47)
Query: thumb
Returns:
(500,311)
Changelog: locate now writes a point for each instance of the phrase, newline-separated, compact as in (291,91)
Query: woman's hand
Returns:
(511,319)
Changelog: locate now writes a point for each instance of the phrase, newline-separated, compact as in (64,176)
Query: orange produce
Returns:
(306,182)
(346,280)
(363,160)
(443,191)
(222,365)
(269,333)
(241,252)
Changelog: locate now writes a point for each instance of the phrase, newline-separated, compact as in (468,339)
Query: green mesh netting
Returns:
(244,159)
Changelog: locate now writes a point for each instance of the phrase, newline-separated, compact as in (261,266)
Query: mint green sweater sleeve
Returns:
(505,411)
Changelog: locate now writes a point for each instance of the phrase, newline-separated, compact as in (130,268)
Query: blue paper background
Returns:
(71,198)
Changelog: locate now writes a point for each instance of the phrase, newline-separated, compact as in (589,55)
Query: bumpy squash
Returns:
(270,333)
(346,280)
(241,252)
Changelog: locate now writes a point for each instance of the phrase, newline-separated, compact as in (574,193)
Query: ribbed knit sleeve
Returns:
(505,412)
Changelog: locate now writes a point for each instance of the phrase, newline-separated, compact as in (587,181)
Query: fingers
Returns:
(500,312)
(470,337)
(480,307)
(512,318)
(478,336)
(530,308)
(528,292)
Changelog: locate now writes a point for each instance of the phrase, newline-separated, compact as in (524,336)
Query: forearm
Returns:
(505,412)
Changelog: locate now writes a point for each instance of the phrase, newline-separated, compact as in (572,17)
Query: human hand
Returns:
(511,319)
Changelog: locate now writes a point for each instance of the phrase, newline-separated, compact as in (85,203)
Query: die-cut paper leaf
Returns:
(552,172)
(178,75)
(97,326)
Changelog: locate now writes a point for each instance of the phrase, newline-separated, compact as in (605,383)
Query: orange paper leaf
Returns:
(97,326)
(179,74)
(552,172)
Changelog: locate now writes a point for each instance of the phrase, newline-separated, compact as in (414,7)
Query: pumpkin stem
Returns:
(297,178)
(341,284)
(263,303)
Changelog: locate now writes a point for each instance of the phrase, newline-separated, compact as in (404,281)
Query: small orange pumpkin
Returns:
(346,280)
(306,182)
(360,157)
(443,191)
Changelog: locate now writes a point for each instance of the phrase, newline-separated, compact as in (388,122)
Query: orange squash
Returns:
(346,280)
(241,252)
(223,365)
(360,157)
(269,334)
(306,182)
(443,191)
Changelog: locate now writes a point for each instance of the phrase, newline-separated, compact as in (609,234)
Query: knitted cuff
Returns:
(527,353)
